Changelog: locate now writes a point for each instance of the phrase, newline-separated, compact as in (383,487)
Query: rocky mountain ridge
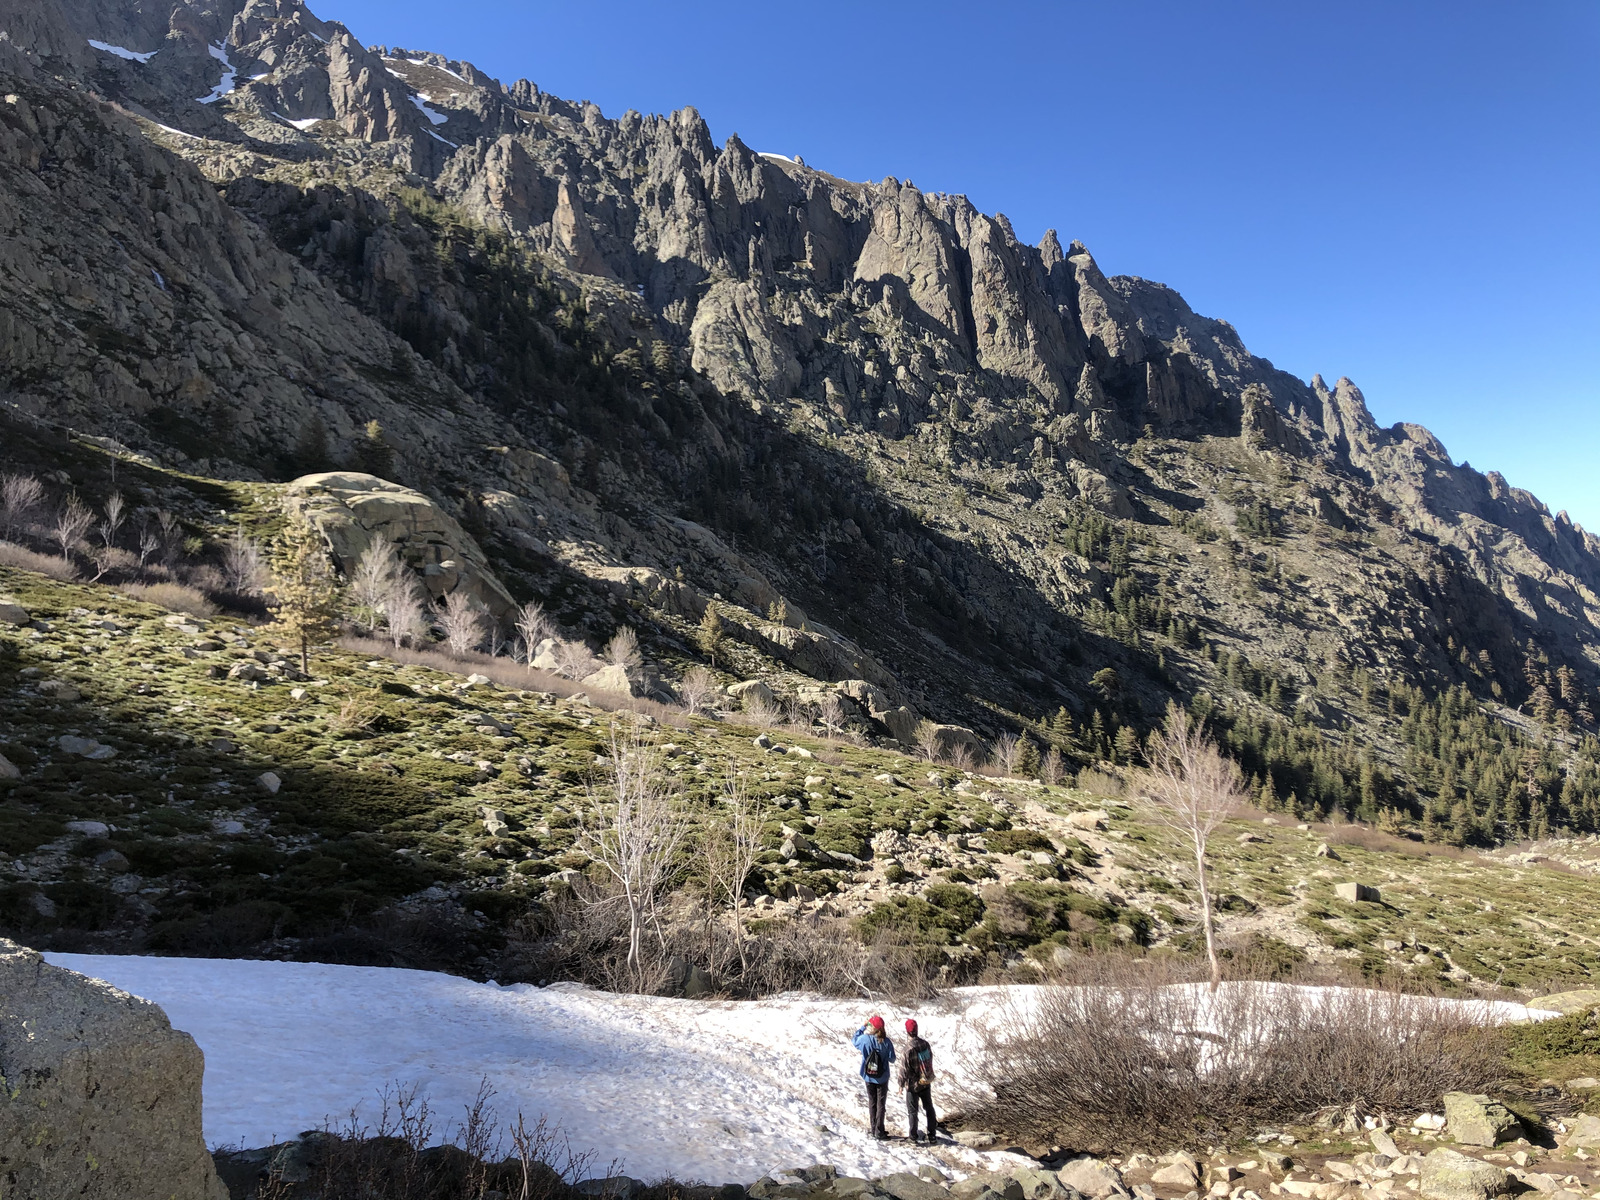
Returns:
(666,371)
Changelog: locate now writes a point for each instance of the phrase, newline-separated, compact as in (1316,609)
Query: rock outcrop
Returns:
(103,1095)
(352,510)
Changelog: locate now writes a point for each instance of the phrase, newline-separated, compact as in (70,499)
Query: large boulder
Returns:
(102,1094)
(1475,1120)
(351,510)
(1583,1133)
(1450,1175)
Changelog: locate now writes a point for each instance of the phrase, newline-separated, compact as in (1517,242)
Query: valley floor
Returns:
(714,1091)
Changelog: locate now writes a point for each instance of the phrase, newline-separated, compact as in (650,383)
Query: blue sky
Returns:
(1404,193)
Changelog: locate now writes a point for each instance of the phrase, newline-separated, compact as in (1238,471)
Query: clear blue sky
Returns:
(1407,193)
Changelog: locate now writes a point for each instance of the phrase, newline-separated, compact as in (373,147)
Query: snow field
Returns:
(712,1091)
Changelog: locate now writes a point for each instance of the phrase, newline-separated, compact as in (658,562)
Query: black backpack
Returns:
(874,1061)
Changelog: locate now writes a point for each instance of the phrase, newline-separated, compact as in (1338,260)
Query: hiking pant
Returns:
(877,1096)
(923,1096)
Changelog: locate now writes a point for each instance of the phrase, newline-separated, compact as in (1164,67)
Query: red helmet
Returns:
(911,1027)
(875,1023)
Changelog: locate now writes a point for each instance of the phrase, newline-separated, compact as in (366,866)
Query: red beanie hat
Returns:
(911,1027)
(875,1022)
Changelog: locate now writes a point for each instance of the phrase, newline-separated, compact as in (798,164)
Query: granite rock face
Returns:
(753,379)
(105,1094)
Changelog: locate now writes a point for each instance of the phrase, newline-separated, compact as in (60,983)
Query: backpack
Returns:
(874,1061)
(922,1065)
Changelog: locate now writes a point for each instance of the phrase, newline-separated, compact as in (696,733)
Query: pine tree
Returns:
(1027,758)
(311,447)
(374,455)
(1061,729)
(712,637)
(304,589)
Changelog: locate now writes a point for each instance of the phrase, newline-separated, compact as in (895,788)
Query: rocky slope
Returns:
(645,370)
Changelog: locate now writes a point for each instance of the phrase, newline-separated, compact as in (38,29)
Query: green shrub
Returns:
(915,920)
(1564,1037)
(1018,841)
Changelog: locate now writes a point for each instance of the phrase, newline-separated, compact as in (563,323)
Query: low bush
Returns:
(23,559)
(1141,1059)
(177,597)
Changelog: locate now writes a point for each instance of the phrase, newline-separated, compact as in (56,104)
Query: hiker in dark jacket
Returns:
(877,1053)
(916,1081)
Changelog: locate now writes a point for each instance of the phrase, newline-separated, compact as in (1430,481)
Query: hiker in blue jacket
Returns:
(877,1054)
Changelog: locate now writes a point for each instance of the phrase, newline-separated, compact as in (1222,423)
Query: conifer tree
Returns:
(306,594)
(712,637)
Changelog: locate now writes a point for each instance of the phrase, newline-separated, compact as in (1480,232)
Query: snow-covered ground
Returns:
(696,1090)
(716,1091)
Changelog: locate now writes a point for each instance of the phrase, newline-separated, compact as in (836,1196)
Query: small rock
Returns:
(89,828)
(478,681)
(43,905)
(221,746)
(14,614)
(126,885)
(1178,1170)
(1476,1120)
(1583,1133)
(800,752)
(248,671)
(1383,1143)
(1583,1083)
(9,769)
(1326,851)
(1358,892)
(1094,819)
(230,828)
(974,1139)
(84,748)
(269,782)
(298,693)
(494,821)
(1092,1177)
(1450,1175)
(761,742)
(59,689)
(112,860)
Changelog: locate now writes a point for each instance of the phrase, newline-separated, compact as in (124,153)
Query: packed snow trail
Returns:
(713,1091)
(695,1090)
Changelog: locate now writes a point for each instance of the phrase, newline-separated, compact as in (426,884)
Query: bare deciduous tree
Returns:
(831,713)
(72,522)
(1051,769)
(575,660)
(533,627)
(20,497)
(733,846)
(462,622)
(171,535)
(696,688)
(372,582)
(1192,788)
(1005,753)
(149,543)
(116,511)
(634,831)
(623,649)
(241,563)
(929,744)
(404,608)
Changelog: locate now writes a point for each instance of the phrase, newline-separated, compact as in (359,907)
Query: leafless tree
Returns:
(696,688)
(623,649)
(759,711)
(732,847)
(831,713)
(171,534)
(20,497)
(1050,767)
(1192,789)
(116,512)
(149,543)
(462,622)
(404,608)
(533,627)
(72,522)
(372,582)
(634,831)
(961,756)
(1005,753)
(241,563)
(575,660)
(929,744)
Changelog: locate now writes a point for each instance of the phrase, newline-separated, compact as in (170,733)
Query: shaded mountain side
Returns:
(1027,494)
